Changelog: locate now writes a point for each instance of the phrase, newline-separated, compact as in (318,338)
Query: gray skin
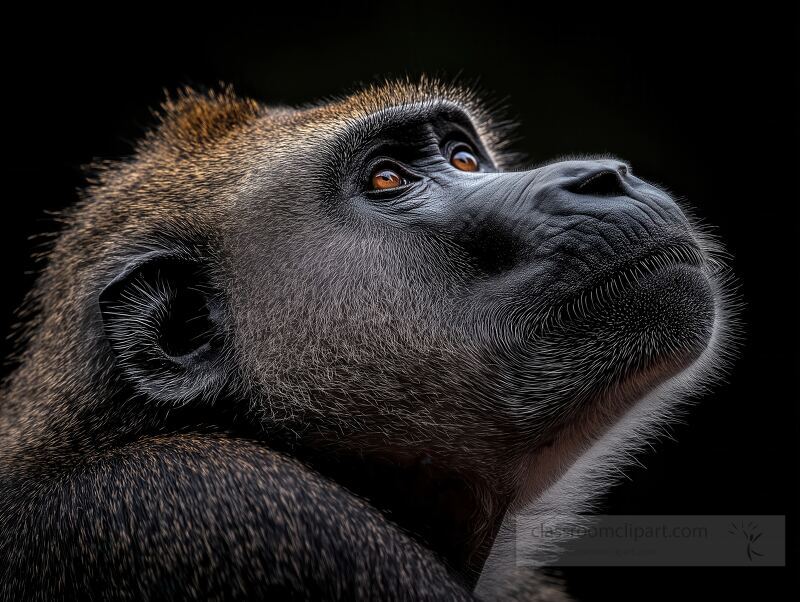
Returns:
(245,373)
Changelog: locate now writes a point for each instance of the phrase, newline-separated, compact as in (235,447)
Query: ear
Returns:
(163,320)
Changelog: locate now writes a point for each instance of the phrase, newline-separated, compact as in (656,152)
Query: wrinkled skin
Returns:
(422,346)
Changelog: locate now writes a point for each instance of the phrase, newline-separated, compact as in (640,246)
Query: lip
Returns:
(630,271)
(628,274)
(682,254)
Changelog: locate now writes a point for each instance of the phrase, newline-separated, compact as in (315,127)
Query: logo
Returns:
(750,533)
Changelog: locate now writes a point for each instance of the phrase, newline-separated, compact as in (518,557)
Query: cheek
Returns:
(358,293)
(373,318)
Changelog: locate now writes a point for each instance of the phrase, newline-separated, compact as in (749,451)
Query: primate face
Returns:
(397,281)
(380,276)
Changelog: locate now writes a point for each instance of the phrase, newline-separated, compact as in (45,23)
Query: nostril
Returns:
(605,183)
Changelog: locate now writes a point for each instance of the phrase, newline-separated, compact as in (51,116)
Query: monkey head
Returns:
(381,275)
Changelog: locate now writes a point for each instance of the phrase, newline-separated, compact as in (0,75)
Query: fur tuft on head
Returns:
(192,120)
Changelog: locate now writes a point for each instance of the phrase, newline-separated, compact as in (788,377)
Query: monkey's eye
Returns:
(464,159)
(386,179)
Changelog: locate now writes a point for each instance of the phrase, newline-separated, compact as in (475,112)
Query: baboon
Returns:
(322,352)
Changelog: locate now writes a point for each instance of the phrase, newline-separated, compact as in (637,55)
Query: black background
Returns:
(705,104)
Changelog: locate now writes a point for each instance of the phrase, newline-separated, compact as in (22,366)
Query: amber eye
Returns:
(464,160)
(386,179)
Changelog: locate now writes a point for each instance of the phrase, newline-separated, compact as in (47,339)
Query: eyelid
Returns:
(450,145)
(390,163)
(378,163)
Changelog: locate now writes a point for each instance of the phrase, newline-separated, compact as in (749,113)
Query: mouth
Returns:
(629,274)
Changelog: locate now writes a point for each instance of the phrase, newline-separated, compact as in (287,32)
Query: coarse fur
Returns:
(241,374)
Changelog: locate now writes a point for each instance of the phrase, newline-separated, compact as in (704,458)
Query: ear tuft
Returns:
(192,120)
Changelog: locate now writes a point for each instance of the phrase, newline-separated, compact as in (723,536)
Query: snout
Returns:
(556,229)
(571,220)
(600,248)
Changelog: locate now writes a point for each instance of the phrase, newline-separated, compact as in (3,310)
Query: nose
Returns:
(601,179)
(596,178)
(604,189)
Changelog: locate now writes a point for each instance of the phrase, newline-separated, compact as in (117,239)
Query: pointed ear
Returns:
(163,320)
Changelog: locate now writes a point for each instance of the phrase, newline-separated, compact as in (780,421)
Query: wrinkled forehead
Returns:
(355,120)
